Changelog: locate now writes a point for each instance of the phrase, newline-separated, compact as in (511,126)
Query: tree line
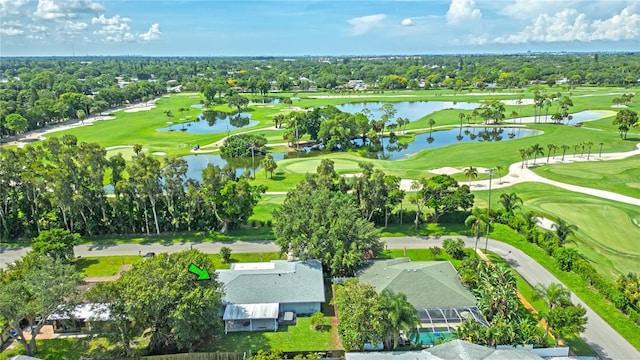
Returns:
(61,184)
(34,87)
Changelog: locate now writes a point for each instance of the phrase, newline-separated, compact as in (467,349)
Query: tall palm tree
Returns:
(575,149)
(401,314)
(549,148)
(589,145)
(524,153)
(553,295)
(600,155)
(564,230)
(564,150)
(499,169)
(471,173)
(510,202)
(431,123)
(462,116)
(536,150)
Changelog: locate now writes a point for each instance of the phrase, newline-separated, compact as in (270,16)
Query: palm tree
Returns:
(431,123)
(510,202)
(589,145)
(499,169)
(523,155)
(564,230)
(462,116)
(549,148)
(575,149)
(471,173)
(600,155)
(564,150)
(401,314)
(553,295)
(536,150)
(582,146)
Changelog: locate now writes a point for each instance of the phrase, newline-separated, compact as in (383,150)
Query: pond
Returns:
(579,117)
(197,163)
(392,151)
(212,122)
(412,110)
(438,139)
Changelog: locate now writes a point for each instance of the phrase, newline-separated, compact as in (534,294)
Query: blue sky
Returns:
(327,27)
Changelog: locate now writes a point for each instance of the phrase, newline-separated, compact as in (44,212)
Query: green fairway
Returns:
(620,176)
(609,231)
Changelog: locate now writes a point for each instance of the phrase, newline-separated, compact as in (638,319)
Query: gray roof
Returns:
(452,350)
(463,350)
(250,311)
(278,281)
(425,283)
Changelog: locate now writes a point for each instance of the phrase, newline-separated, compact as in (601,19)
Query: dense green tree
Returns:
(56,243)
(625,118)
(180,312)
(401,316)
(32,290)
(325,225)
(269,165)
(361,315)
(16,123)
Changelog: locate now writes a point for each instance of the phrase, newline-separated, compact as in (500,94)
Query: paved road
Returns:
(598,334)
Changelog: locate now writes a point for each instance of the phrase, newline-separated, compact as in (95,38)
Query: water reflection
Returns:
(210,122)
(412,110)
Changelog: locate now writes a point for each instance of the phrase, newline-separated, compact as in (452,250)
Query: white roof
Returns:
(251,311)
(93,312)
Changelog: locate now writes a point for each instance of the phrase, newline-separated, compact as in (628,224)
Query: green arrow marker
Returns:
(203,274)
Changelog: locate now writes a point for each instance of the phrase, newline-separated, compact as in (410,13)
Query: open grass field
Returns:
(620,176)
(609,231)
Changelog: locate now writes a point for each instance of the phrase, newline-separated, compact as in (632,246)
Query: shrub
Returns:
(225,254)
(317,321)
(454,248)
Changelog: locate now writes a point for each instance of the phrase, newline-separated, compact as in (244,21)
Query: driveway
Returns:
(598,334)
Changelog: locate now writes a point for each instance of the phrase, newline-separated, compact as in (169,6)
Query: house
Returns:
(452,350)
(432,287)
(257,294)
(79,318)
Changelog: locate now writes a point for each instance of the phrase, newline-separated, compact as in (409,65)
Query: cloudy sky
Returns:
(322,27)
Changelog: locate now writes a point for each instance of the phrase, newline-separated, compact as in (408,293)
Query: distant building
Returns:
(257,294)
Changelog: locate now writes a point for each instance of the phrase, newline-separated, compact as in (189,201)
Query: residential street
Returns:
(602,338)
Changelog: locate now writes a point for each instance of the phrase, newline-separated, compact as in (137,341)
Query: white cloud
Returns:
(571,25)
(461,11)
(153,33)
(115,29)
(70,27)
(407,22)
(528,9)
(11,31)
(12,23)
(364,24)
(65,9)
(12,7)
(623,26)
(102,20)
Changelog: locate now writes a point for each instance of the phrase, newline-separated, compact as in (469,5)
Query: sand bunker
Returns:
(515,102)
(545,223)
(445,171)
(140,108)
(159,153)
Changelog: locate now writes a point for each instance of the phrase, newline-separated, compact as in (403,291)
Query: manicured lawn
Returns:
(61,348)
(620,176)
(288,338)
(105,265)
(607,230)
(110,265)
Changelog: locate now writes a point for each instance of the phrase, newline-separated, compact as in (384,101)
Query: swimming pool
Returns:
(428,336)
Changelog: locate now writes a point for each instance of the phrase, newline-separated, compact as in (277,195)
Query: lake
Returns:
(211,122)
(412,110)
